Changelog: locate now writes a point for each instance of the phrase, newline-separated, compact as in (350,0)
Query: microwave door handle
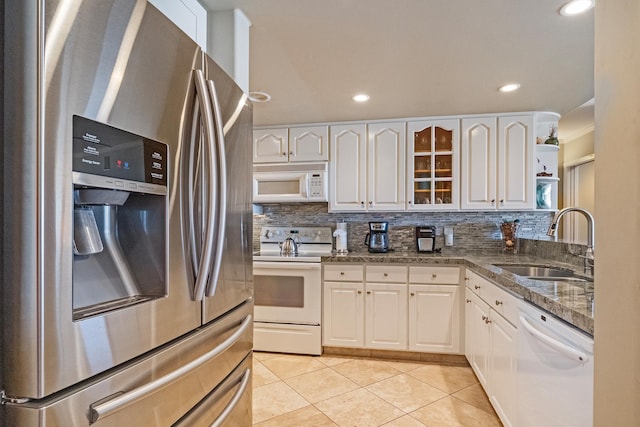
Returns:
(304,185)
(222,186)
(209,225)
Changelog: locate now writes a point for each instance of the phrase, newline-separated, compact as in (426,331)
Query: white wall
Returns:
(188,15)
(617,149)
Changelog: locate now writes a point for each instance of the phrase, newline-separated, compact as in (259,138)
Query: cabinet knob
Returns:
(359,292)
(498,302)
(487,321)
(485,318)
(368,292)
(501,201)
(291,153)
(468,300)
(342,273)
(493,201)
(477,287)
(466,279)
(386,274)
(434,276)
(409,202)
(362,204)
(370,203)
(284,154)
(412,294)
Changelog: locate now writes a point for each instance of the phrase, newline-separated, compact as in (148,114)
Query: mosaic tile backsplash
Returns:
(471,230)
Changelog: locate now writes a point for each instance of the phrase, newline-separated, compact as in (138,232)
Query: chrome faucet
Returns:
(589,256)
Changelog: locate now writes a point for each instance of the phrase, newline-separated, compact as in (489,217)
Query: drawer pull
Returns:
(412,294)
(466,279)
(434,275)
(477,286)
(485,318)
(368,292)
(342,273)
(487,321)
(386,274)
(498,302)
(468,300)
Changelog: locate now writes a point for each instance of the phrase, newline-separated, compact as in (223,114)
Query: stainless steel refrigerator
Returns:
(126,226)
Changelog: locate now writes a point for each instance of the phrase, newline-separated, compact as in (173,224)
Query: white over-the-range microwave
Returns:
(290,182)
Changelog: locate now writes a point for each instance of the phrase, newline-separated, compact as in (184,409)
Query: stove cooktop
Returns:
(313,243)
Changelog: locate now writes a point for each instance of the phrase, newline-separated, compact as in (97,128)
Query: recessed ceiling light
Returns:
(257,96)
(575,7)
(509,87)
(361,97)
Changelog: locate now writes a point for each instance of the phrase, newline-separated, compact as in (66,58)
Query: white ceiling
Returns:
(415,58)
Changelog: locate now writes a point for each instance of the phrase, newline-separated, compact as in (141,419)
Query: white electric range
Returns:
(288,290)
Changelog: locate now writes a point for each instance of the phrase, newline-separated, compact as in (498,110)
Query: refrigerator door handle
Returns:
(222,182)
(242,388)
(193,172)
(105,407)
(207,247)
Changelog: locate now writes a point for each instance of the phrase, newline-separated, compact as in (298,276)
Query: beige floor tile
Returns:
(404,366)
(261,355)
(451,412)
(406,421)
(275,399)
(261,375)
(307,417)
(321,385)
(449,379)
(475,395)
(287,366)
(359,408)
(365,372)
(406,392)
(334,360)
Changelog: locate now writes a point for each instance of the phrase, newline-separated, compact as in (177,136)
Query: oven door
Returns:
(287,292)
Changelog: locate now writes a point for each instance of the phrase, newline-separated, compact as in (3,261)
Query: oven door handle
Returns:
(277,265)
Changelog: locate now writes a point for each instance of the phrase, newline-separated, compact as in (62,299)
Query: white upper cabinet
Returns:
(497,159)
(303,144)
(188,15)
(270,145)
(479,163)
(432,165)
(309,144)
(385,169)
(516,175)
(347,168)
(366,172)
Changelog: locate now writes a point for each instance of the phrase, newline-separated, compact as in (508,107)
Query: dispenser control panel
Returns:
(100,149)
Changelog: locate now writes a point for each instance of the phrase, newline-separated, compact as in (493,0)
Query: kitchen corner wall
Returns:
(471,230)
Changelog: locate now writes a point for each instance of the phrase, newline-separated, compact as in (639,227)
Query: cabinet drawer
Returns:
(476,283)
(344,272)
(387,273)
(435,275)
(502,302)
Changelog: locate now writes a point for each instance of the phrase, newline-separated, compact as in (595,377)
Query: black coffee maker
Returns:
(377,239)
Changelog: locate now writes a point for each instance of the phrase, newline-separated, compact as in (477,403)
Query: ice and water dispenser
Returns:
(119,218)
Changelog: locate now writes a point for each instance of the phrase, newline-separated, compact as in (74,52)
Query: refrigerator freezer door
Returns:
(146,392)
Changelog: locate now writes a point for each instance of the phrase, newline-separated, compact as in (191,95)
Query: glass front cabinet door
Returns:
(432,165)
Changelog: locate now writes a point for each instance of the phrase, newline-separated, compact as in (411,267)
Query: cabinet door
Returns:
(516,173)
(386,316)
(386,166)
(348,168)
(309,144)
(188,15)
(432,165)
(343,314)
(270,145)
(434,318)
(478,154)
(502,370)
(478,334)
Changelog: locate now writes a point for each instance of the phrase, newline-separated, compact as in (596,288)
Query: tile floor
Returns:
(293,391)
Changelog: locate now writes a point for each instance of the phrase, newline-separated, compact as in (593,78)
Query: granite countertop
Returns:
(571,301)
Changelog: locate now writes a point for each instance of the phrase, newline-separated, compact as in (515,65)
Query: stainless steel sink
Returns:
(536,272)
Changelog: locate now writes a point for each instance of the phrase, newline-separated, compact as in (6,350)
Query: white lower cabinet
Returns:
(386,316)
(382,310)
(490,345)
(434,309)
